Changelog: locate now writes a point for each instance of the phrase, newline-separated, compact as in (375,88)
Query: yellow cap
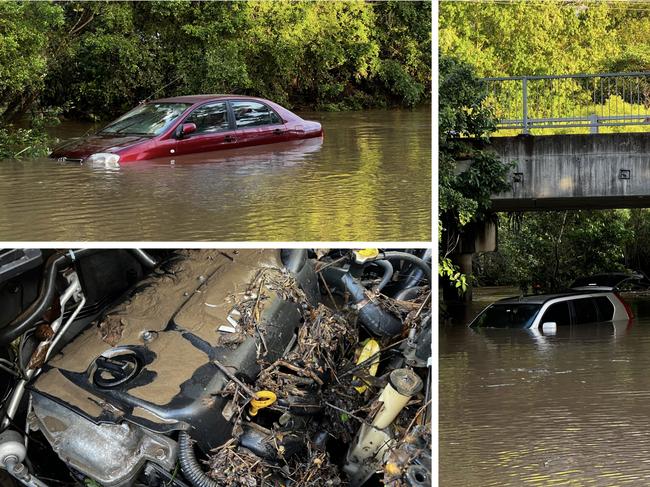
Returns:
(262,400)
(365,254)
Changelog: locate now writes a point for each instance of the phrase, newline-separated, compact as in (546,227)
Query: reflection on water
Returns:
(520,408)
(369,178)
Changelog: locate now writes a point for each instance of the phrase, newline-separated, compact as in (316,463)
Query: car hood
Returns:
(83,147)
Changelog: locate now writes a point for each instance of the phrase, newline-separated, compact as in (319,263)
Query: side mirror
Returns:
(549,327)
(185,129)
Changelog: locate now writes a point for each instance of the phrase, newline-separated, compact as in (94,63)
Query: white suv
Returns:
(548,311)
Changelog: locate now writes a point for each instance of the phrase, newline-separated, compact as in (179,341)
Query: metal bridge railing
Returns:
(572,101)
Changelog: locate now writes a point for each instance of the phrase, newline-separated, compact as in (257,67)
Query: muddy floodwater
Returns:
(570,409)
(368,178)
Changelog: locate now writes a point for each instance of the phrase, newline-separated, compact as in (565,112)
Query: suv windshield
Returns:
(507,316)
(147,119)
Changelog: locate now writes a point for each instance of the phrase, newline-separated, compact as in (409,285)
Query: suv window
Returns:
(209,118)
(507,316)
(605,309)
(584,311)
(558,313)
(253,114)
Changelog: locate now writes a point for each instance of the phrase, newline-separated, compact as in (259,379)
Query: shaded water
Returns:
(369,178)
(573,409)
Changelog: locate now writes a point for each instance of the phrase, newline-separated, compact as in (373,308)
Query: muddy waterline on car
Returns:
(565,410)
(368,178)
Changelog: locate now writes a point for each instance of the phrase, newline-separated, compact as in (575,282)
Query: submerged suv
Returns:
(544,311)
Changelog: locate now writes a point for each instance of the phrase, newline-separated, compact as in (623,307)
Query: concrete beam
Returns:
(575,171)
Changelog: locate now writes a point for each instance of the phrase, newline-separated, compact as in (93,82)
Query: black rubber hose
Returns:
(408,293)
(190,465)
(374,318)
(395,255)
(144,258)
(413,278)
(33,313)
(388,272)
(294,259)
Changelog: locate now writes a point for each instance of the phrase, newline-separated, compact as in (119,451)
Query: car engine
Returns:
(127,374)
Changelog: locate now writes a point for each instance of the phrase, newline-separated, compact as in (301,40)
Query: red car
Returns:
(187,125)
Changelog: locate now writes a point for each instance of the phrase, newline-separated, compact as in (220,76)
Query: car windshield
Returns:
(148,119)
(507,316)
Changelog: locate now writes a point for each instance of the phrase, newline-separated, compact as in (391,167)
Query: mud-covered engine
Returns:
(158,362)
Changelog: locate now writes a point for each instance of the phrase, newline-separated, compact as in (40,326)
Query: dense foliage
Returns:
(547,37)
(468,173)
(97,59)
(552,248)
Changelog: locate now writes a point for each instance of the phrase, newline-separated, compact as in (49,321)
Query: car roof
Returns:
(200,98)
(540,298)
(606,279)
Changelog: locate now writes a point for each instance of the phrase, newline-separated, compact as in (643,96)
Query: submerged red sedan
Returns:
(187,125)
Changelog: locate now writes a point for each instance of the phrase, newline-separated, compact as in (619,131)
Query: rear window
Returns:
(253,114)
(507,316)
(605,309)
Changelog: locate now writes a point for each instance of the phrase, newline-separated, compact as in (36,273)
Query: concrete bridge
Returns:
(575,171)
(551,128)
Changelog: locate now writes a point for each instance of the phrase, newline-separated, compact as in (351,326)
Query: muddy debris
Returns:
(246,316)
(316,384)
(111,329)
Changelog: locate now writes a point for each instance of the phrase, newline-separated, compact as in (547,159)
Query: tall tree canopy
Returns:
(468,173)
(544,36)
(97,59)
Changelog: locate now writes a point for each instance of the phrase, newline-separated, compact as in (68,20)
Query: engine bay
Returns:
(212,367)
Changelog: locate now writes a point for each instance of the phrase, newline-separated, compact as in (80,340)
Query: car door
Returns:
(214,130)
(256,123)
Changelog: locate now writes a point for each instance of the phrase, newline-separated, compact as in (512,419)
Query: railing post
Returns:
(593,123)
(524,85)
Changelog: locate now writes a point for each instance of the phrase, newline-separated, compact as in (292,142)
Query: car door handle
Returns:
(230,138)
(278,131)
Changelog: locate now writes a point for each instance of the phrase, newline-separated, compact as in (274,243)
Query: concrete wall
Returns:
(575,171)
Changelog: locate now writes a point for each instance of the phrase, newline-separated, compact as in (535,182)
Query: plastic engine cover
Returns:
(150,361)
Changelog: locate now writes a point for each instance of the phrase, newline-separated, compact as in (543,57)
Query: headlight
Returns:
(105,159)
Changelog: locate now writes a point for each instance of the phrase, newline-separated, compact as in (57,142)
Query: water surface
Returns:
(573,409)
(368,179)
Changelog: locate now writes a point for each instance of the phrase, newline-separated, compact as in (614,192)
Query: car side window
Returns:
(605,309)
(557,313)
(209,118)
(585,311)
(253,114)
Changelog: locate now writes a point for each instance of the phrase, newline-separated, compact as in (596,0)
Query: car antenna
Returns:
(159,90)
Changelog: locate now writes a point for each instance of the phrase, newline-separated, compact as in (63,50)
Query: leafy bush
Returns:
(105,57)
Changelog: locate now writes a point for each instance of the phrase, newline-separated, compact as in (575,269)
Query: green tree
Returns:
(468,172)
(25,35)
(552,248)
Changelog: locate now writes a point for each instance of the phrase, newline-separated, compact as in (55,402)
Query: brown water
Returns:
(564,410)
(369,178)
